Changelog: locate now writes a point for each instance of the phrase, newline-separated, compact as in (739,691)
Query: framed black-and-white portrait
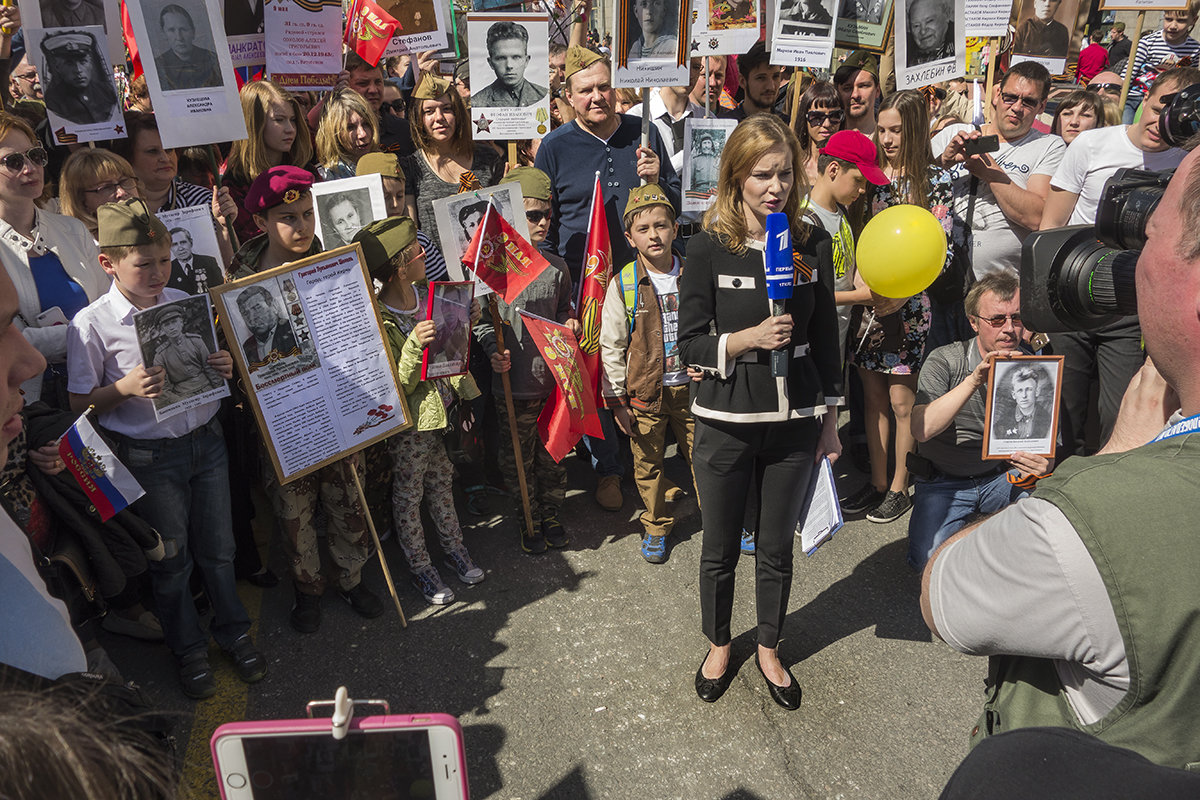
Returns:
(460,215)
(77,81)
(650,47)
(1022,406)
(195,252)
(703,142)
(930,42)
(449,306)
(510,75)
(344,206)
(179,337)
(78,14)
(1046,33)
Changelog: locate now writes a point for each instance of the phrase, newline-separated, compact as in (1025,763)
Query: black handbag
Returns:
(464,445)
(952,285)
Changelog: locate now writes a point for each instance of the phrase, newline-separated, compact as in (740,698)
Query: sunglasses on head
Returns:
(819,117)
(536,217)
(15,162)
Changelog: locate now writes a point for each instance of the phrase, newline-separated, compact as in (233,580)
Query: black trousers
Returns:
(728,459)
(1113,354)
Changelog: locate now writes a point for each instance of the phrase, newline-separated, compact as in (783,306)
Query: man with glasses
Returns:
(1010,185)
(24,83)
(953,483)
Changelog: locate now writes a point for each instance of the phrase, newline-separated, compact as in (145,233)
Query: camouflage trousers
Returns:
(345,531)
(421,469)
(547,480)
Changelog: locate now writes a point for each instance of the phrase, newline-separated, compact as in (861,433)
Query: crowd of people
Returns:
(688,348)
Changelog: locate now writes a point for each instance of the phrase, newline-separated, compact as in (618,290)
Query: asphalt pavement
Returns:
(571,672)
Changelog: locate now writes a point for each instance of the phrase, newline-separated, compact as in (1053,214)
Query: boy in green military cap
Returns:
(180,462)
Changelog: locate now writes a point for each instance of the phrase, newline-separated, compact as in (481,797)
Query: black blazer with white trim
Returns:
(721,292)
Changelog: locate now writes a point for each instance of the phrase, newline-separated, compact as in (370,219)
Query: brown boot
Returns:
(608,493)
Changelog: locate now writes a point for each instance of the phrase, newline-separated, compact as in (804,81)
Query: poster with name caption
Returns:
(724,27)
(459,215)
(345,206)
(449,306)
(1021,415)
(179,337)
(78,14)
(987,18)
(864,24)
(309,347)
(424,25)
(245,28)
(304,44)
(510,75)
(1044,33)
(189,73)
(803,33)
(931,42)
(650,43)
(195,252)
(77,83)
(703,141)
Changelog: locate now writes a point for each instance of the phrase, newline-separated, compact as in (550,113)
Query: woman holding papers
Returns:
(749,423)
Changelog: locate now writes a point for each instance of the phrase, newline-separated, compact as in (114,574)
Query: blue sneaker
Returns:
(747,542)
(654,549)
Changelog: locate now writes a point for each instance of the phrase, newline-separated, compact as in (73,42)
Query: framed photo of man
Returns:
(1022,406)
(449,307)
(344,206)
(863,24)
(932,47)
(725,27)
(510,75)
(703,141)
(1045,33)
(245,28)
(651,43)
(78,14)
(77,83)
(179,337)
(195,253)
(425,25)
(459,215)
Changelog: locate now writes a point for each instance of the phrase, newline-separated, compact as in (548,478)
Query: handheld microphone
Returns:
(780,277)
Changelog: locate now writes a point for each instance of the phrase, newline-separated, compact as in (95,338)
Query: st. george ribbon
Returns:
(780,277)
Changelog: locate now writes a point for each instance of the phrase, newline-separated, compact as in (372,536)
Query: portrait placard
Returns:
(724,27)
(930,42)
(449,307)
(195,253)
(1044,33)
(460,214)
(304,44)
(510,75)
(1022,406)
(309,346)
(77,82)
(245,28)
(425,25)
(179,337)
(803,33)
(344,206)
(703,141)
(78,14)
(864,24)
(189,73)
(650,43)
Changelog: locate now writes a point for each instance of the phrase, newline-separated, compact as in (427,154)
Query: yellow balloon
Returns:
(901,251)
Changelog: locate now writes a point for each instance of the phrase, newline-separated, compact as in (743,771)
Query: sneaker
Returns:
(431,586)
(306,612)
(196,675)
(608,493)
(466,569)
(865,498)
(894,506)
(364,602)
(532,542)
(145,627)
(747,542)
(248,662)
(654,549)
(554,532)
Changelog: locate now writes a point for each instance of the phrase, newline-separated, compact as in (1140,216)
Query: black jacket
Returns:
(720,293)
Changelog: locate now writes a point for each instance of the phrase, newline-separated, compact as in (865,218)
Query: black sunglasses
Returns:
(818,117)
(537,216)
(396,107)
(15,162)
(1104,87)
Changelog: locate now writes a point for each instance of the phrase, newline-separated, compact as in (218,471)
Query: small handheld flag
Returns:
(108,483)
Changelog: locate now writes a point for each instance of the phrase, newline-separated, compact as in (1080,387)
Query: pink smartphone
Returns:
(381,758)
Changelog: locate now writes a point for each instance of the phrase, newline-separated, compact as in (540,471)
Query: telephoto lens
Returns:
(1180,117)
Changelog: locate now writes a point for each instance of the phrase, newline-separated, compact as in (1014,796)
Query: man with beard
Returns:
(857,81)
(24,83)
(78,86)
(270,334)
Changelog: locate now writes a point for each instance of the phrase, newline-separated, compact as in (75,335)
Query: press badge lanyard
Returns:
(1184,426)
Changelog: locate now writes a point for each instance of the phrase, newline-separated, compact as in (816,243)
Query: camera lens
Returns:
(1180,118)
(1130,197)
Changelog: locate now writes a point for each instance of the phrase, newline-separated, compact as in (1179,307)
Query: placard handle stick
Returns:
(512,156)
(498,326)
(795,91)
(993,54)
(645,122)
(1137,35)
(707,94)
(387,573)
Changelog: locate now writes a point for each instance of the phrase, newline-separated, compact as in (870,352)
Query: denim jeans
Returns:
(187,502)
(942,506)
(606,452)
(1130,110)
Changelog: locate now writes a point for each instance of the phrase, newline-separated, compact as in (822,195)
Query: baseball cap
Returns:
(855,147)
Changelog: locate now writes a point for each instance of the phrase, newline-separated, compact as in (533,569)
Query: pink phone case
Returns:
(388,722)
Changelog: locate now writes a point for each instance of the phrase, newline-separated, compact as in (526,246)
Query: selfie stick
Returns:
(780,277)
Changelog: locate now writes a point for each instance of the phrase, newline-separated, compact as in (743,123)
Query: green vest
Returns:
(1138,514)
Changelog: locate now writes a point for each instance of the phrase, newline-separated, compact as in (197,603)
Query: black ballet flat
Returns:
(710,689)
(784,696)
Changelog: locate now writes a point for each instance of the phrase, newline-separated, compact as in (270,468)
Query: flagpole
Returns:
(387,573)
(498,326)
(645,122)
(993,55)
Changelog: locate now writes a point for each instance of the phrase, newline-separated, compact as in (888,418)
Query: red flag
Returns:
(597,269)
(369,29)
(501,258)
(570,412)
(130,44)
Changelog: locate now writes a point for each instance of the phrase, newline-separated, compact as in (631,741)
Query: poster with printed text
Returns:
(304,44)
(650,43)
(185,54)
(77,83)
(930,42)
(987,18)
(803,33)
(179,337)
(864,24)
(724,27)
(78,14)
(1044,33)
(245,28)
(510,75)
(309,347)
(424,25)
(344,206)
(703,141)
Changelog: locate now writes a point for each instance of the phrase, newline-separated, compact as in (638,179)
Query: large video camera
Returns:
(1081,277)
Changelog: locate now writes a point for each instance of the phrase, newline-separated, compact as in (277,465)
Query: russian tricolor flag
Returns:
(109,485)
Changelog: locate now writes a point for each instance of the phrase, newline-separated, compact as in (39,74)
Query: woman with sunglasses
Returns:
(1079,111)
(349,129)
(90,178)
(446,161)
(52,259)
(821,116)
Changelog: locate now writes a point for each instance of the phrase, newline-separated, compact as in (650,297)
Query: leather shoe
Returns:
(710,689)
(784,696)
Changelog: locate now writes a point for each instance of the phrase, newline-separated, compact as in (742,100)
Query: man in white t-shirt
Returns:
(1012,182)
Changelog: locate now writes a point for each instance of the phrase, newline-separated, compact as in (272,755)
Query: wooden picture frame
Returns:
(866,34)
(1023,394)
(449,306)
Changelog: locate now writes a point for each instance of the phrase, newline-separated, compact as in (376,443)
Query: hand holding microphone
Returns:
(780,277)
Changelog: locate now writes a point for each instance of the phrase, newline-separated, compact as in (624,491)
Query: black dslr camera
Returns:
(1081,277)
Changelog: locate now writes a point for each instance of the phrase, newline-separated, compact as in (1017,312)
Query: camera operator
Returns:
(1114,352)
(1084,593)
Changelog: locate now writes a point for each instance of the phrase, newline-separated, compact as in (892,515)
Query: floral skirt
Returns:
(894,344)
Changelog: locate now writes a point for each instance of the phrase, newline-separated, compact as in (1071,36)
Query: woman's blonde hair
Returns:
(83,168)
(757,134)
(248,157)
(915,157)
(335,119)
(460,142)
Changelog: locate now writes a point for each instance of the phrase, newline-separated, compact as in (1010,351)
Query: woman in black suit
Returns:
(750,425)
